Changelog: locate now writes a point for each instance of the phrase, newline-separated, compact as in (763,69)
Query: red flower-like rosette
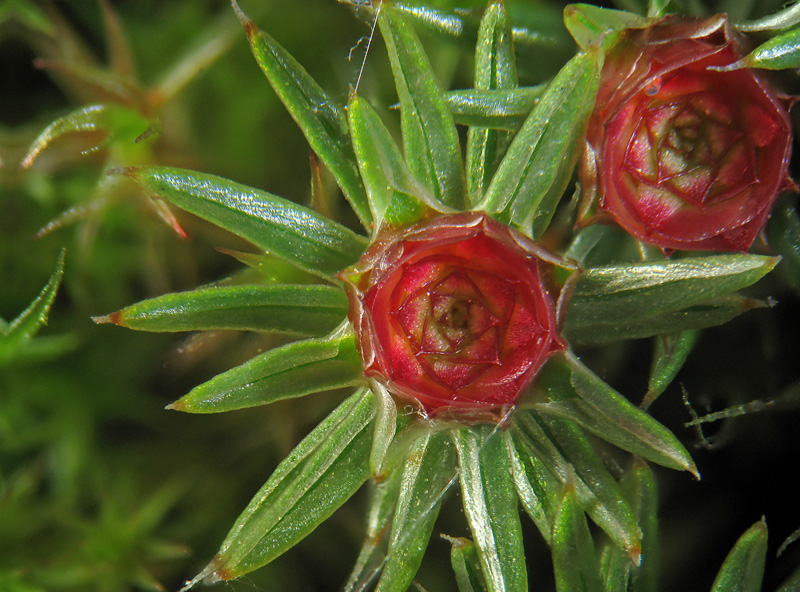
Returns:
(681,154)
(452,313)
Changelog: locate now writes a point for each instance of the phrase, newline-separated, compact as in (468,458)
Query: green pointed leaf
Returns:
(716,311)
(620,571)
(784,236)
(298,234)
(394,194)
(18,333)
(317,477)
(743,568)
(321,119)
(783,19)
(371,557)
(299,309)
(272,269)
(111,120)
(427,475)
(575,393)
(589,24)
(617,296)
(466,565)
(504,109)
(615,569)
(430,140)
(536,169)
(779,53)
(670,354)
(565,450)
(494,69)
(574,558)
(537,488)
(641,489)
(286,372)
(491,508)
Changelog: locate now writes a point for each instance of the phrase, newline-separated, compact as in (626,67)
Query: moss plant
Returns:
(461,318)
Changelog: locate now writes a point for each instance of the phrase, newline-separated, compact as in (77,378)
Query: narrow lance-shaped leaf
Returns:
(565,449)
(536,169)
(494,69)
(321,119)
(496,109)
(491,508)
(743,568)
(286,372)
(617,570)
(779,53)
(574,392)
(394,194)
(537,488)
(383,500)
(428,473)
(699,316)
(299,309)
(317,477)
(671,352)
(640,486)
(574,559)
(19,331)
(430,140)
(783,19)
(466,565)
(642,290)
(298,234)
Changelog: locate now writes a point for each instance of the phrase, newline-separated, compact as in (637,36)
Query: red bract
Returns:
(679,154)
(452,313)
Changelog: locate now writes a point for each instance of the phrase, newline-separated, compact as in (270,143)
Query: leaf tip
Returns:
(115,318)
(635,554)
(249,26)
(178,405)
(127,171)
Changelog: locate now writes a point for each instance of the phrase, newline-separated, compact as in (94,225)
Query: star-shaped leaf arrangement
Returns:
(461,366)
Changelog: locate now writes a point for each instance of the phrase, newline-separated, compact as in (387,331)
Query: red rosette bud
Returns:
(679,153)
(452,313)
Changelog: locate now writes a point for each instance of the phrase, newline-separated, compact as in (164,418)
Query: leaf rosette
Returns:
(681,152)
(453,313)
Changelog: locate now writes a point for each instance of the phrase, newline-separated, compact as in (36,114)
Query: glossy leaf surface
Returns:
(298,234)
(319,475)
(494,69)
(322,120)
(565,450)
(286,372)
(496,109)
(428,473)
(574,558)
(394,194)
(491,508)
(298,309)
(430,139)
(575,392)
(535,171)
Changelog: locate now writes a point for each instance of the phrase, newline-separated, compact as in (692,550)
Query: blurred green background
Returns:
(100,487)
